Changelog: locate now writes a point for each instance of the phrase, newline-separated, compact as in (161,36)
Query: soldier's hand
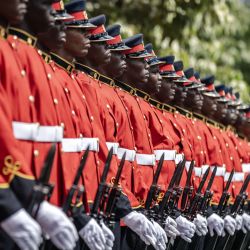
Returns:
(186,228)
(109,236)
(138,223)
(201,225)
(161,237)
(215,223)
(93,236)
(171,228)
(245,223)
(230,224)
(25,231)
(239,221)
(57,226)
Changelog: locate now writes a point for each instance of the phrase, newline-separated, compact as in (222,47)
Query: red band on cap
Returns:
(233,97)
(135,49)
(167,67)
(210,87)
(80,15)
(228,96)
(117,39)
(58,6)
(222,93)
(98,30)
(248,115)
(180,73)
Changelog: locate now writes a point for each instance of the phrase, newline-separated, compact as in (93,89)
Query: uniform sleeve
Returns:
(15,173)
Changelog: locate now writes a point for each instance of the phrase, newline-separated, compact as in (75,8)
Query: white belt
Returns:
(179,158)
(238,176)
(145,159)
(220,171)
(197,170)
(80,144)
(130,154)
(35,132)
(169,155)
(246,167)
(115,146)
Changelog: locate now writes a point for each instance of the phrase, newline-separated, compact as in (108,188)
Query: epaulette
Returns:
(107,80)
(127,88)
(241,136)
(3,32)
(69,67)
(168,108)
(156,104)
(142,94)
(184,112)
(231,128)
(199,117)
(221,126)
(87,70)
(23,35)
(212,122)
(46,57)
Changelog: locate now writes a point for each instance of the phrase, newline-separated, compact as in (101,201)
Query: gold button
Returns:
(202,152)
(83,97)
(227,145)
(36,153)
(92,118)
(131,128)
(23,72)
(81,135)
(233,186)
(13,45)
(144,117)
(108,107)
(97,162)
(31,98)
(198,137)
(149,135)
(66,90)
(73,112)
(55,101)
(49,76)
(215,138)
(117,124)
(72,76)
(15,37)
(175,124)
(231,158)
(184,131)
(135,148)
(62,124)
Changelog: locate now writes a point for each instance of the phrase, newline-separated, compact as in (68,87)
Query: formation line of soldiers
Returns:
(104,145)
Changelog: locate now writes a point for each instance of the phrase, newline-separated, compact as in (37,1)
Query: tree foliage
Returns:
(211,35)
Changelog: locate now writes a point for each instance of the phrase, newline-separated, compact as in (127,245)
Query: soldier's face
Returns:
(180,94)
(99,53)
(231,115)
(117,65)
(138,71)
(13,11)
(154,80)
(221,110)
(54,39)
(209,105)
(167,90)
(194,99)
(77,42)
(39,16)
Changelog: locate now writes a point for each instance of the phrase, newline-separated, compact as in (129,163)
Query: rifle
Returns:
(42,188)
(177,191)
(152,196)
(67,209)
(162,213)
(114,196)
(102,189)
(212,241)
(74,188)
(188,189)
(100,193)
(238,203)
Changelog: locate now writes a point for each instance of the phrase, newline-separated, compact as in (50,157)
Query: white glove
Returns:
(109,236)
(25,231)
(171,228)
(138,223)
(238,222)
(201,225)
(57,226)
(93,236)
(215,222)
(161,237)
(245,223)
(186,228)
(229,225)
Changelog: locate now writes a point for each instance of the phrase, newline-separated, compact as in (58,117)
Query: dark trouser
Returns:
(242,241)
(128,239)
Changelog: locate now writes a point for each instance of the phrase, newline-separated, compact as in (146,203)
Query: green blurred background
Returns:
(213,36)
